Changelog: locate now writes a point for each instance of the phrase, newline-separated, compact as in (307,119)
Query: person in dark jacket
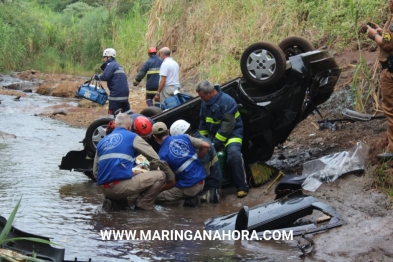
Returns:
(213,181)
(116,78)
(220,121)
(151,68)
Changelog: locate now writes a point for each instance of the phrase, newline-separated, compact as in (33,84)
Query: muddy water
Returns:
(66,206)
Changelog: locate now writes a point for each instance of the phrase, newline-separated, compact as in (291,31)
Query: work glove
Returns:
(97,77)
(135,83)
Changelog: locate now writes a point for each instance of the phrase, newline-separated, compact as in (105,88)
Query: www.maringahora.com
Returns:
(167,235)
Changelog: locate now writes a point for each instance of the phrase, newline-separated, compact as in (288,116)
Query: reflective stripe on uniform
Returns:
(118,71)
(234,140)
(214,160)
(237,114)
(221,138)
(203,132)
(117,156)
(111,98)
(186,164)
(150,72)
(211,120)
(151,91)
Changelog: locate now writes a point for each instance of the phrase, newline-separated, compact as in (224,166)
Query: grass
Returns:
(6,230)
(383,178)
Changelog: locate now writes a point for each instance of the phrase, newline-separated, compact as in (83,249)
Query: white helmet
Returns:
(179,127)
(109,52)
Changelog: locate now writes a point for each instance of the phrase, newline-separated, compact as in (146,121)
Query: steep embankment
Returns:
(208,37)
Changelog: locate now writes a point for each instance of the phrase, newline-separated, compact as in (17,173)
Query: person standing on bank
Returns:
(114,160)
(384,39)
(169,75)
(116,78)
(152,68)
(221,122)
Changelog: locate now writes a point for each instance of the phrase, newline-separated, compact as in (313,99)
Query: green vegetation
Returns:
(71,40)
(3,239)
(364,91)
(207,37)
(383,178)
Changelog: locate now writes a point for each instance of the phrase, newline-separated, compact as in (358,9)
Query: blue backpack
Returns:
(175,100)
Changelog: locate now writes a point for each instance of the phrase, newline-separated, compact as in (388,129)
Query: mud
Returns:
(367,211)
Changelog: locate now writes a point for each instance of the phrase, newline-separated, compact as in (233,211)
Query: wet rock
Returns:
(45,88)
(13,86)
(66,89)
(28,90)
(28,74)
(60,112)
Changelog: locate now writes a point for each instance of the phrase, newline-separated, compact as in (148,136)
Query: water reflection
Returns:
(66,206)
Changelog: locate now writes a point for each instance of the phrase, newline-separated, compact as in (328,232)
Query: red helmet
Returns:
(151,50)
(142,126)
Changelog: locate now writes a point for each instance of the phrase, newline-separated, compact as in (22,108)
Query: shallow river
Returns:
(66,206)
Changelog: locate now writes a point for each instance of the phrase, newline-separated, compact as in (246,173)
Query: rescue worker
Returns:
(151,68)
(142,125)
(384,39)
(113,163)
(116,78)
(213,181)
(221,122)
(179,152)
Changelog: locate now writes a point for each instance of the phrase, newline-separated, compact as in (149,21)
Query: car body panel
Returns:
(280,214)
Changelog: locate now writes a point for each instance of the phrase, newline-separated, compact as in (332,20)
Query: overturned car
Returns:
(281,85)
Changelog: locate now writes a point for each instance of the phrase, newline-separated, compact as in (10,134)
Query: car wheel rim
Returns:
(261,64)
(98,134)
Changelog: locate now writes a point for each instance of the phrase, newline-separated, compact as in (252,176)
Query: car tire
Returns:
(94,133)
(295,45)
(151,111)
(263,64)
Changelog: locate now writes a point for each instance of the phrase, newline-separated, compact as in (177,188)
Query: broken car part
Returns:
(358,116)
(40,251)
(280,214)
